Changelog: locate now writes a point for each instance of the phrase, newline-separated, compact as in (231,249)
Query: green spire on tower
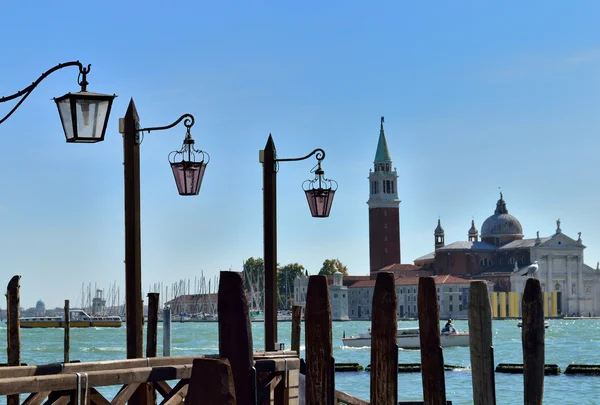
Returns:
(383,154)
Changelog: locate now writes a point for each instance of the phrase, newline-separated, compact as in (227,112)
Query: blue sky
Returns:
(475,97)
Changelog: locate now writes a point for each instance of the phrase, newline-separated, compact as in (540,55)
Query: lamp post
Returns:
(319,200)
(188,174)
(84,115)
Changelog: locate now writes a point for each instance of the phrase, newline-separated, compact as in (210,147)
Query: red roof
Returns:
(404,280)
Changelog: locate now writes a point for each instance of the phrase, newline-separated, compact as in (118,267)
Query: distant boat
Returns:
(408,338)
(520,324)
(78,319)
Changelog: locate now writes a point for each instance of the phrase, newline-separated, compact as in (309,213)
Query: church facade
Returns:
(503,257)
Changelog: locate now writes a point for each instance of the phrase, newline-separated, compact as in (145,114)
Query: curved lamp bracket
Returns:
(81,80)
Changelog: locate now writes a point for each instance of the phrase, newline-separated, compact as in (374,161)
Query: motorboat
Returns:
(408,338)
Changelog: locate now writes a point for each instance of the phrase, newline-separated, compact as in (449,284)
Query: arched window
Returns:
(485,262)
(511,260)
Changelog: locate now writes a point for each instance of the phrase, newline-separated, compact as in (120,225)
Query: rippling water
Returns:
(567,341)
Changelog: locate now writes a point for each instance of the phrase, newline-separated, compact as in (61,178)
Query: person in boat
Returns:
(449,327)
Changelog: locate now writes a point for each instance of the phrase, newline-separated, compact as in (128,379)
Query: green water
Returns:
(567,341)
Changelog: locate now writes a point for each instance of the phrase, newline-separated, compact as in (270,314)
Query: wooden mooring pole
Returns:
(235,334)
(211,383)
(13,334)
(384,342)
(481,346)
(67,327)
(296,328)
(166,331)
(532,334)
(320,388)
(432,358)
(151,340)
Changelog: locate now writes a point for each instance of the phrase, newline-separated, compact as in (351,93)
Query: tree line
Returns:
(254,274)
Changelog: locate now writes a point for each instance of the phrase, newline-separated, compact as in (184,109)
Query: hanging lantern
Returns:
(84,115)
(188,172)
(319,193)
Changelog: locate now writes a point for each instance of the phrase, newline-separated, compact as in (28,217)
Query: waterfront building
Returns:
(503,255)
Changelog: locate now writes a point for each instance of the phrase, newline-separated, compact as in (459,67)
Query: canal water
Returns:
(567,341)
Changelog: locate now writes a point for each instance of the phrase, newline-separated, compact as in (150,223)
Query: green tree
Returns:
(330,266)
(285,281)
(254,278)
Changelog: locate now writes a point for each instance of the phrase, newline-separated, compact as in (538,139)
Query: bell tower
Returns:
(384,209)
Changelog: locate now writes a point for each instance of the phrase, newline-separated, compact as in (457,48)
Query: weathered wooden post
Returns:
(235,334)
(318,342)
(296,327)
(13,333)
(384,342)
(211,383)
(151,339)
(152,329)
(166,331)
(481,346)
(67,327)
(533,342)
(432,358)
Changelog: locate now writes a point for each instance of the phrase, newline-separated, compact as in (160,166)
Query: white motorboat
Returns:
(408,338)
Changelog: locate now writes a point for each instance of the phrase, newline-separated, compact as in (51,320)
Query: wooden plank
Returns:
(296,328)
(319,349)
(36,398)
(163,388)
(211,382)
(235,333)
(56,368)
(432,358)
(67,337)
(61,382)
(274,365)
(532,334)
(63,399)
(177,394)
(13,332)
(481,345)
(348,399)
(97,398)
(384,341)
(123,396)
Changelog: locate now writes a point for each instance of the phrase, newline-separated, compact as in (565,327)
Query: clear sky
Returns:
(475,96)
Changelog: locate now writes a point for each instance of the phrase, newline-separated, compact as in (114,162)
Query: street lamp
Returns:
(84,115)
(319,194)
(188,165)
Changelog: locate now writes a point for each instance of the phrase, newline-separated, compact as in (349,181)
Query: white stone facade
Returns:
(561,269)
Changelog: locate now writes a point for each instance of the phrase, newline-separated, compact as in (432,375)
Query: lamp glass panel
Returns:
(320,201)
(188,176)
(64,110)
(91,116)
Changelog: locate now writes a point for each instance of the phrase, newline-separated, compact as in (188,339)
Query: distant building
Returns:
(502,256)
(194,304)
(40,308)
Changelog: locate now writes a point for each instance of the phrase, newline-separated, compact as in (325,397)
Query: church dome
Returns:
(473,230)
(501,224)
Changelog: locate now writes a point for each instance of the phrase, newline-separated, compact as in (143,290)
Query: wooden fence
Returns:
(237,375)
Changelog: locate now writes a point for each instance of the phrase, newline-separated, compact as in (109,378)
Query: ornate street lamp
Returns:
(188,172)
(188,165)
(319,198)
(319,194)
(84,115)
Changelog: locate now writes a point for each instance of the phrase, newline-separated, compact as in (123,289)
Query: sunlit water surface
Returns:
(567,341)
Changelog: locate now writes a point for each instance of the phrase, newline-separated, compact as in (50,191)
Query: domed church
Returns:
(503,256)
